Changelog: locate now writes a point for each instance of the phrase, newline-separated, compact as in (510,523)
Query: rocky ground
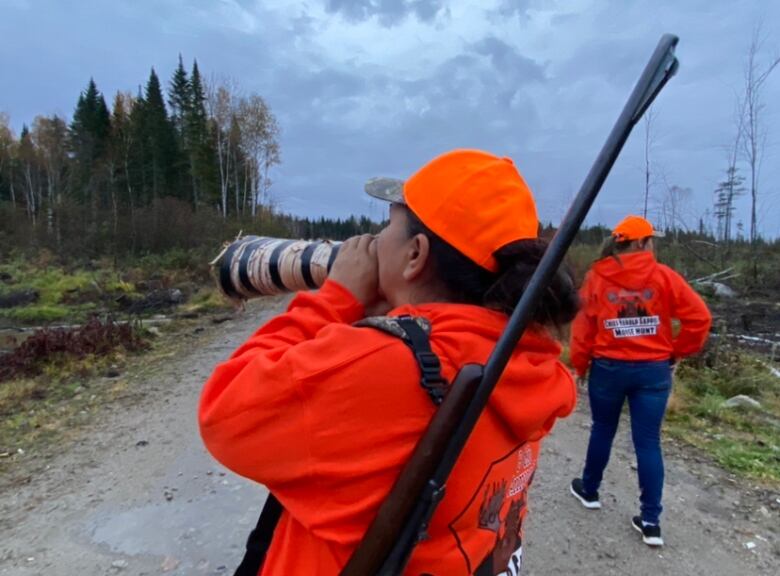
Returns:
(138,495)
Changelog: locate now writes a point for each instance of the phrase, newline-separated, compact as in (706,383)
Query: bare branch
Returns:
(752,131)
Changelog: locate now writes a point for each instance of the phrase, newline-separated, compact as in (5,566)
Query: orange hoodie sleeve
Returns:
(693,314)
(252,404)
(583,331)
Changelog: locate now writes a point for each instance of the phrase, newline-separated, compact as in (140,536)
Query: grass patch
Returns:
(51,282)
(173,266)
(205,300)
(72,294)
(50,406)
(63,294)
(38,314)
(742,440)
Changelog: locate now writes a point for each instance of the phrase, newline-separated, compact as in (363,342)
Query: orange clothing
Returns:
(325,414)
(628,305)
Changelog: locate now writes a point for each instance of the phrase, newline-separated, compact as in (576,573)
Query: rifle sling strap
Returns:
(416,337)
(414,332)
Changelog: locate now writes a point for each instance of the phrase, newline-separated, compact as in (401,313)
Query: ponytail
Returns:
(468,283)
(517,263)
(614,247)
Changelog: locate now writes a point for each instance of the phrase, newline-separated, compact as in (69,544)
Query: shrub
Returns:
(93,338)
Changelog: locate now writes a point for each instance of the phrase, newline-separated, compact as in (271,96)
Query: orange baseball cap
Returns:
(473,200)
(634,228)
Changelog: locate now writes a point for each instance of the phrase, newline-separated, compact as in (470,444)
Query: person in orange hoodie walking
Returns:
(325,409)
(624,334)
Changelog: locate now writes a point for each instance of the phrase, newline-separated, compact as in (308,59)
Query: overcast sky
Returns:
(378,87)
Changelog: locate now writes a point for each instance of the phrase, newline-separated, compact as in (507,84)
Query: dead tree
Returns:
(753,130)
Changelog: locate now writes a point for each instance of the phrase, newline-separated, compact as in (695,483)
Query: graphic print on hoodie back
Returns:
(635,316)
(629,303)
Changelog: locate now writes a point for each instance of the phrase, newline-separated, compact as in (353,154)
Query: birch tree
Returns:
(259,140)
(50,137)
(221,105)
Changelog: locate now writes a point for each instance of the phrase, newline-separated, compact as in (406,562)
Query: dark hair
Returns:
(467,282)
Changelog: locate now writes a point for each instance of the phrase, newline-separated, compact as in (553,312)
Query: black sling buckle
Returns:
(430,366)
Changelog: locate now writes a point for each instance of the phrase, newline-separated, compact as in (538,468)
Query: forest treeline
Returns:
(119,175)
(187,164)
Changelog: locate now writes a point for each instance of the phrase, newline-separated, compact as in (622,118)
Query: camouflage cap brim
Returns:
(387,189)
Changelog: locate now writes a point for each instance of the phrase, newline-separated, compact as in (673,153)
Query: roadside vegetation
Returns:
(744,438)
(49,384)
(74,329)
(130,307)
(65,350)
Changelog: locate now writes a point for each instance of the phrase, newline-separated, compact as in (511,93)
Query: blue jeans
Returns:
(647,386)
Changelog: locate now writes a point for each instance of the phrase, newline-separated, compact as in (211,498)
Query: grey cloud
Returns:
(507,59)
(486,78)
(512,8)
(513,72)
(343,122)
(389,12)
(611,59)
(391,138)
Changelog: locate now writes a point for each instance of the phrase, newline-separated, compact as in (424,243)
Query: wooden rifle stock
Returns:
(396,508)
(403,517)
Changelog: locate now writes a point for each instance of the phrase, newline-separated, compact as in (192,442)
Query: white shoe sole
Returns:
(650,541)
(588,504)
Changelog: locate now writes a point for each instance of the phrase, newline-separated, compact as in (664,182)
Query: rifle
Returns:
(403,517)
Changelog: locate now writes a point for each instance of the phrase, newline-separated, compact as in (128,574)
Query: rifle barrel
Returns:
(659,69)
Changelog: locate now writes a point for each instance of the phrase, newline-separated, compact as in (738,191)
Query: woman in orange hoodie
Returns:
(325,411)
(623,333)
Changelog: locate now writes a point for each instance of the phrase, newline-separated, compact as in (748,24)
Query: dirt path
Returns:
(138,495)
(712,523)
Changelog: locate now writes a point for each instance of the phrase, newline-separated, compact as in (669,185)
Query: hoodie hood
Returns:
(631,271)
(535,388)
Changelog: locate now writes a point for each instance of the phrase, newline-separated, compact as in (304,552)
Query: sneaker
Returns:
(590,501)
(651,533)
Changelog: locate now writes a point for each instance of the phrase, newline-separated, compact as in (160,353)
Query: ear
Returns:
(418,253)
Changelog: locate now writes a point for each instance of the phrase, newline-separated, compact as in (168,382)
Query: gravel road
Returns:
(138,495)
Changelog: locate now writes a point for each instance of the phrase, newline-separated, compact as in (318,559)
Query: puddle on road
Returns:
(202,530)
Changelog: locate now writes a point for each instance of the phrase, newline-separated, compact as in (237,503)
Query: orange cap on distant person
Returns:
(634,228)
(473,200)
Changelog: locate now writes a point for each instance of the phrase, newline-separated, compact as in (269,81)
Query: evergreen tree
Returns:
(7,154)
(725,194)
(89,136)
(180,101)
(123,192)
(138,161)
(201,149)
(160,137)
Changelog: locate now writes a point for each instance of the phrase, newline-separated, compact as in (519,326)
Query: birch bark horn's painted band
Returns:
(255,266)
